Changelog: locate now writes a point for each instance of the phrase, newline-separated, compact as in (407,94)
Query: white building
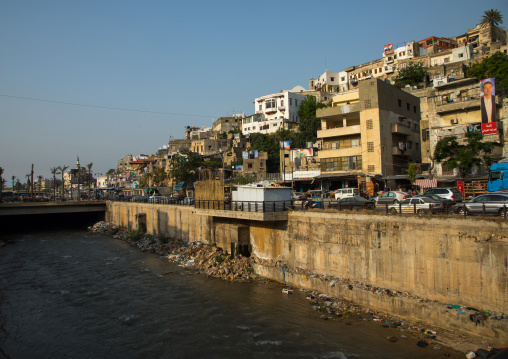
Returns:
(273,112)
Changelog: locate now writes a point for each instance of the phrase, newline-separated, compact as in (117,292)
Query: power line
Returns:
(103,107)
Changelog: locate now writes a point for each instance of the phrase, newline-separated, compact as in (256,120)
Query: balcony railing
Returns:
(339,131)
(401,129)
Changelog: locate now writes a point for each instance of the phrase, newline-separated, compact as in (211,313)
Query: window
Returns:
(260,107)
(399,102)
(446,60)
(296,102)
(371,168)
(332,79)
(290,102)
(271,103)
(274,125)
(249,165)
(414,109)
(370,124)
(370,146)
(282,102)
(341,163)
(355,143)
(408,106)
(375,71)
(343,78)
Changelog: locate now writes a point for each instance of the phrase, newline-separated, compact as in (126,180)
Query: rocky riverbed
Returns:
(202,258)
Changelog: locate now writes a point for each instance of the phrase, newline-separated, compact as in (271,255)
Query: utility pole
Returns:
(32,182)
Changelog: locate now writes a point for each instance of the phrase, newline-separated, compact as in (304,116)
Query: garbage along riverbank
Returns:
(210,260)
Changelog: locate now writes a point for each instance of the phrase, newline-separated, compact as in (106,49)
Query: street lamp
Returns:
(222,157)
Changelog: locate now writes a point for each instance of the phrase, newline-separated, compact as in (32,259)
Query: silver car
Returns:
(494,203)
(421,205)
(451,193)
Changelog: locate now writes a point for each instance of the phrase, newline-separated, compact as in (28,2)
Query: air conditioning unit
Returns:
(454,121)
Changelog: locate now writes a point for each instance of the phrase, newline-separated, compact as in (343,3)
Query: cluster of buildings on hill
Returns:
(371,131)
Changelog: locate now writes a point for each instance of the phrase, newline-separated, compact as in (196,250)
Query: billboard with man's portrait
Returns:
(488,106)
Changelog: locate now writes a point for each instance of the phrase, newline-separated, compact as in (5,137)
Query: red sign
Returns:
(489,128)
(460,186)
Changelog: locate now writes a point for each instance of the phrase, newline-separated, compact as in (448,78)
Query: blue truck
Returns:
(498,176)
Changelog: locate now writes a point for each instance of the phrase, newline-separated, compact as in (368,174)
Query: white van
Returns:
(347,192)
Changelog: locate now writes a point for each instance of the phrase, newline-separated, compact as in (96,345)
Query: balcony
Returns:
(341,152)
(458,105)
(282,108)
(337,110)
(339,131)
(397,152)
(271,110)
(401,129)
(388,69)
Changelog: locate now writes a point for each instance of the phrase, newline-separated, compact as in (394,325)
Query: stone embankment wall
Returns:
(459,261)
(456,261)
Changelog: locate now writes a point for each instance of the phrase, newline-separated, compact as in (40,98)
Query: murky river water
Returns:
(78,295)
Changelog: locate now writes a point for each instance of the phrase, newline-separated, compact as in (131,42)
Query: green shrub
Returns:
(135,235)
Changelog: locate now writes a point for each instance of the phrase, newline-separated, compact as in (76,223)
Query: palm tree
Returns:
(13,178)
(490,19)
(89,166)
(62,170)
(53,171)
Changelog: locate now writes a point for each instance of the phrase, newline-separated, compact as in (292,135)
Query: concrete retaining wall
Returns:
(457,261)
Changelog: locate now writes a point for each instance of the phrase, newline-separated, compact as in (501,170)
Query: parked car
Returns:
(420,205)
(450,193)
(156,199)
(495,203)
(357,203)
(346,192)
(188,200)
(391,197)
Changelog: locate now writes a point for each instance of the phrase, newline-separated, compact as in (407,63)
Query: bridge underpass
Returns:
(22,217)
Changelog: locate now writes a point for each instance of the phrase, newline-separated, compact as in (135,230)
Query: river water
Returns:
(73,294)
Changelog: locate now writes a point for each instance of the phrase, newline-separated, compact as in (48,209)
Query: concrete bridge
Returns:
(34,208)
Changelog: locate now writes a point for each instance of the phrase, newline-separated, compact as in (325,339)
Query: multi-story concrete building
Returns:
(435,44)
(226,124)
(452,109)
(278,110)
(372,132)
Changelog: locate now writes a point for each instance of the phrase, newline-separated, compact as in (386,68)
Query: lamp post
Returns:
(222,157)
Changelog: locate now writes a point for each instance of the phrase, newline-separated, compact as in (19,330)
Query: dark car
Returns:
(494,203)
(357,203)
(450,193)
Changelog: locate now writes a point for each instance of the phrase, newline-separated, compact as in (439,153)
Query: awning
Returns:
(426,183)
(341,175)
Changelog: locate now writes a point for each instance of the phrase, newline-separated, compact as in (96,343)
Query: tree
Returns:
(464,156)
(308,124)
(53,171)
(158,176)
(62,171)
(39,179)
(13,178)
(411,173)
(184,167)
(269,144)
(111,171)
(491,17)
(494,66)
(411,75)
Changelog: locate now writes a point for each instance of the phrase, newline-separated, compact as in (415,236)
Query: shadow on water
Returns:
(47,222)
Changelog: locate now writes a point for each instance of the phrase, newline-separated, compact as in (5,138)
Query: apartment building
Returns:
(453,109)
(435,44)
(226,124)
(371,132)
(278,110)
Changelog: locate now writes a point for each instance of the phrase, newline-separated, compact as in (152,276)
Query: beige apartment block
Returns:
(370,132)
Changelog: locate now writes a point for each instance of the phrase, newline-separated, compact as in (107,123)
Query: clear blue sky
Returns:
(177,63)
